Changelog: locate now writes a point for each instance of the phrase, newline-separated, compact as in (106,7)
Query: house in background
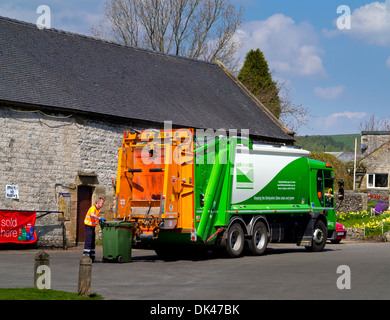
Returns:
(375,147)
(372,172)
(65,100)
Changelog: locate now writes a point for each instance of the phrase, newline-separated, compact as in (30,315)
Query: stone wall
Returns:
(49,154)
(355,234)
(352,202)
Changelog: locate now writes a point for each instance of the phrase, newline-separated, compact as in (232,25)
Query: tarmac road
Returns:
(284,272)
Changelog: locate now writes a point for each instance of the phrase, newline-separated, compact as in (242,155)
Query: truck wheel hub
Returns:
(235,240)
(318,236)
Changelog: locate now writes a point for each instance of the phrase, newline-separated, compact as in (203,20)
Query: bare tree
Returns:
(374,124)
(199,29)
(293,116)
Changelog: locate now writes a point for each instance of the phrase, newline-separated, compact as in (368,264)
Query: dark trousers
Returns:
(89,245)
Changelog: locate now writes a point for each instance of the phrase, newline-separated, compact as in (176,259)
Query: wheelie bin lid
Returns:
(125,224)
(120,224)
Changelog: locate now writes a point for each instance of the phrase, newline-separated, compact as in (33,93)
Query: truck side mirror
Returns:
(202,199)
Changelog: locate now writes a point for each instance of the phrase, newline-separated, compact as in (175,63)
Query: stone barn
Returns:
(65,100)
(375,147)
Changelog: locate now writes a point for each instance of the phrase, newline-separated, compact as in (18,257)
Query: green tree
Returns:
(256,76)
(321,143)
(339,168)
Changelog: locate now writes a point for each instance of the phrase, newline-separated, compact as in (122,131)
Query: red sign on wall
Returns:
(17,226)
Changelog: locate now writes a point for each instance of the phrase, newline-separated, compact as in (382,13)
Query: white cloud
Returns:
(338,118)
(329,93)
(346,122)
(388,62)
(370,22)
(290,48)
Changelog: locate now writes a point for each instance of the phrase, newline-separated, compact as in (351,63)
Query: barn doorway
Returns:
(84,202)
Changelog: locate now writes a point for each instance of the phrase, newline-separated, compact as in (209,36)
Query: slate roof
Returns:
(69,71)
(345,156)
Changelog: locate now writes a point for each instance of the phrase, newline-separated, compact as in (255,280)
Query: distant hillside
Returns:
(336,143)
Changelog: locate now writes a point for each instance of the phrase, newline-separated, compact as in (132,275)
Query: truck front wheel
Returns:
(319,237)
(235,240)
(259,240)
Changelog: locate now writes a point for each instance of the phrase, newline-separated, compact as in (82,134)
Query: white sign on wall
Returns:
(11,192)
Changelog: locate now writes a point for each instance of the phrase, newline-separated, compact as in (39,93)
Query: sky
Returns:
(333,55)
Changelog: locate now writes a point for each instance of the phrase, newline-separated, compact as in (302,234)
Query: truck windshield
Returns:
(329,191)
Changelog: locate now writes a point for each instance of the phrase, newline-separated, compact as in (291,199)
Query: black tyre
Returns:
(259,240)
(319,237)
(235,241)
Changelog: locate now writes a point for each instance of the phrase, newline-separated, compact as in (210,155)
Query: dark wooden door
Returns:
(84,201)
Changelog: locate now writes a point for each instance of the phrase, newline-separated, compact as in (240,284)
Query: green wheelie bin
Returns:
(117,241)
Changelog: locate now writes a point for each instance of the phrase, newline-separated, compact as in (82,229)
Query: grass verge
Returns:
(373,225)
(35,294)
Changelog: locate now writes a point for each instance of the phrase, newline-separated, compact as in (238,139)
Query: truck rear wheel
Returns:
(235,240)
(259,240)
(319,237)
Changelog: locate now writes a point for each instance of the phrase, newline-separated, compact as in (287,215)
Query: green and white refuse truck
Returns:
(228,193)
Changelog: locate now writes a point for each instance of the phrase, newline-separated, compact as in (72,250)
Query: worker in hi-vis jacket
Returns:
(92,219)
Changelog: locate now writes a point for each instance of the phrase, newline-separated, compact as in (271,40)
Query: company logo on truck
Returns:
(244,175)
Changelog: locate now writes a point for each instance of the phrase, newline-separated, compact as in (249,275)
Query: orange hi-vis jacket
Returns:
(89,221)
